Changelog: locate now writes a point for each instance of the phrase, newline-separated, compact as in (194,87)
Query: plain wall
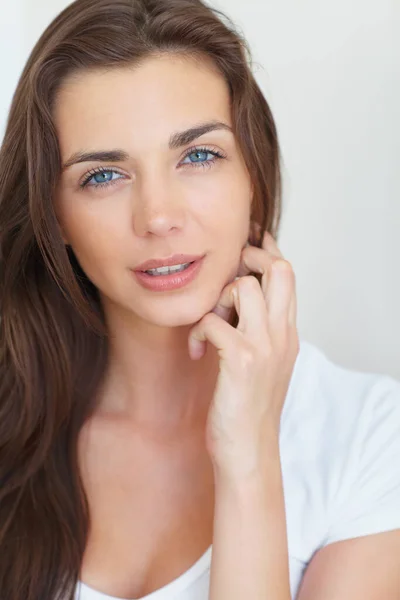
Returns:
(330,71)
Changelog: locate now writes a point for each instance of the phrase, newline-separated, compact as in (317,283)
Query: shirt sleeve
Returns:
(371,502)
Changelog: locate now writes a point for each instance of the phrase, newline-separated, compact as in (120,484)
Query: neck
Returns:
(152,381)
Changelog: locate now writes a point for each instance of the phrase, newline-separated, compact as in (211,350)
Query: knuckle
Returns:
(246,358)
(209,319)
(249,282)
(285,265)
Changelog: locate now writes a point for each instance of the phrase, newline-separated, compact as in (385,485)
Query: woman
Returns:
(164,434)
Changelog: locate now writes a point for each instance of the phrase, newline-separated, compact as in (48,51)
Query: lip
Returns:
(176,259)
(165,283)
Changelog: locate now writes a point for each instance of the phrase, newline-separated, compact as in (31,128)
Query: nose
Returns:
(158,207)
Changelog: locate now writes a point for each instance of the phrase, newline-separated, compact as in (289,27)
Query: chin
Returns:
(184,313)
(186,307)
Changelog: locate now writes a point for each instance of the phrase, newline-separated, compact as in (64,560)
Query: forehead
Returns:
(150,100)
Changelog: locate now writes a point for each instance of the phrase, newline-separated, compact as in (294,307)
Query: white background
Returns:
(330,71)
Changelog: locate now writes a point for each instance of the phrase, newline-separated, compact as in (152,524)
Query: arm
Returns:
(250,558)
(365,568)
(257,358)
(250,551)
(360,559)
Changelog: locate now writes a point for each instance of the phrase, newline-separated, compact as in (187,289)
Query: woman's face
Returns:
(157,200)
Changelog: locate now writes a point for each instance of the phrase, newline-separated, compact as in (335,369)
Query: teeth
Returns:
(168,270)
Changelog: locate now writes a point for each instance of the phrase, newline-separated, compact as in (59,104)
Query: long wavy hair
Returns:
(53,339)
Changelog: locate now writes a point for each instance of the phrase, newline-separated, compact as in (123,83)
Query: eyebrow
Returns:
(176,140)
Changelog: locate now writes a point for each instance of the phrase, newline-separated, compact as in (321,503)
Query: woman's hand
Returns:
(256,360)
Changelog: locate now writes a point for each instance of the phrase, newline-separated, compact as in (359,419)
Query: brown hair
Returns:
(53,340)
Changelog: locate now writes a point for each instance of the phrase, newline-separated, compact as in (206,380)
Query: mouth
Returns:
(170,277)
(170,261)
(160,271)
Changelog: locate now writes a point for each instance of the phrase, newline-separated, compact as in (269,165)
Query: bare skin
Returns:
(145,468)
(152,507)
(147,474)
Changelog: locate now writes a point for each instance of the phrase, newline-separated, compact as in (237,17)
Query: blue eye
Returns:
(203,152)
(99,175)
(103,180)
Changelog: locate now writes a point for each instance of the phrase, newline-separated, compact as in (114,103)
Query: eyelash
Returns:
(205,164)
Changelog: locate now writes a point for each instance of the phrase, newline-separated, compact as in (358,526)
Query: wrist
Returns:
(265,469)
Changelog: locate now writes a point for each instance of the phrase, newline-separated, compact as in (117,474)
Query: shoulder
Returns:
(340,451)
(323,393)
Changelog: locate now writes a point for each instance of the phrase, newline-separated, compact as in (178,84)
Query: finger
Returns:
(252,310)
(254,260)
(257,260)
(249,304)
(250,253)
(267,240)
(246,296)
(223,312)
(270,245)
(215,330)
(260,260)
(280,299)
(226,302)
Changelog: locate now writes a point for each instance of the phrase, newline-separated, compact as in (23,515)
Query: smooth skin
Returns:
(158,204)
(250,548)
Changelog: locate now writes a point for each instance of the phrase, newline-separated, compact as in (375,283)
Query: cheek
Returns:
(224,203)
(230,232)
(233,220)
(90,224)
(96,242)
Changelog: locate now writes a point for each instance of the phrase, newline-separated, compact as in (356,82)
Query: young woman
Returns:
(164,434)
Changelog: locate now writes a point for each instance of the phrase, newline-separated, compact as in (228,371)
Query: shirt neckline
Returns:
(167,592)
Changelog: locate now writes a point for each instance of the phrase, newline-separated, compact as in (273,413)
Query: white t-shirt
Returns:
(340,456)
